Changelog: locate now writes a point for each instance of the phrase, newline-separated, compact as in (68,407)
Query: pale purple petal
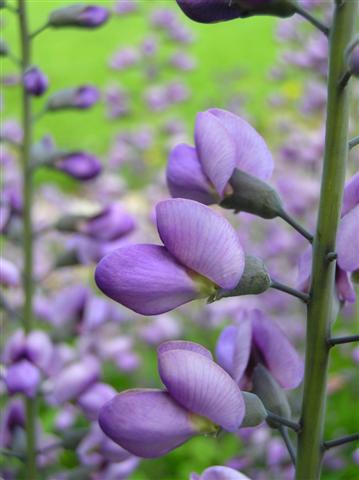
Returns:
(222,473)
(216,150)
(23,377)
(234,347)
(183,345)
(344,287)
(203,387)
(145,278)
(280,357)
(252,153)
(94,398)
(147,423)
(9,274)
(351,194)
(112,223)
(304,270)
(185,176)
(202,240)
(348,241)
(39,349)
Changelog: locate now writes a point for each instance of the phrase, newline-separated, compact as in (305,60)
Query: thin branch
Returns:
(293,223)
(353,142)
(283,421)
(291,291)
(39,30)
(340,441)
(311,19)
(331,256)
(343,82)
(284,433)
(341,340)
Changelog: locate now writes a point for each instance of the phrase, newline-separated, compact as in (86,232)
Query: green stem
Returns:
(311,19)
(340,340)
(341,441)
(291,291)
(321,309)
(284,434)
(353,142)
(31,469)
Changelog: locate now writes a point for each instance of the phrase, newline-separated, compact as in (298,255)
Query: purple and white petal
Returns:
(147,423)
(183,345)
(202,240)
(348,241)
(146,279)
(203,387)
(351,194)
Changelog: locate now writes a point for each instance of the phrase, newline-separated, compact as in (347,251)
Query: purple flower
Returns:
(35,82)
(12,418)
(79,165)
(9,274)
(84,16)
(23,377)
(125,58)
(82,97)
(219,473)
(200,397)
(209,11)
(223,142)
(93,399)
(257,339)
(201,251)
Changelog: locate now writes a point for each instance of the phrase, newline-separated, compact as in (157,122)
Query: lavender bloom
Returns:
(93,399)
(123,7)
(79,165)
(11,131)
(210,11)
(182,61)
(117,102)
(219,473)
(258,340)
(35,82)
(200,396)
(125,58)
(23,377)
(153,279)
(9,274)
(82,98)
(223,142)
(83,16)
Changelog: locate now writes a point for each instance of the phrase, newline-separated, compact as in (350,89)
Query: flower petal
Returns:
(351,194)
(203,387)
(252,153)
(183,345)
(280,357)
(185,177)
(348,241)
(234,347)
(202,240)
(216,150)
(147,423)
(145,278)
(222,473)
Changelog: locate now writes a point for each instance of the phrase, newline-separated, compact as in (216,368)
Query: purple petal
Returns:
(252,153)
(9,274)
(234,347)
(351,194)
(183,345)
(216,150)
(203,387)
(112,223)
(344,287)
(23,377)
(280,357)
(348,241)
(304,270)
(147,423)
(145,278)
(80,165)
(39,348)
(185,177)
(222,473)
(94,398)
(202,240)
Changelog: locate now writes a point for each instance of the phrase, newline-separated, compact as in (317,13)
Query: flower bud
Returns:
(35,82)
(82,16)
(270,392)
(252,195)
(79,165)
(255,411)
(80,98)
(255,280)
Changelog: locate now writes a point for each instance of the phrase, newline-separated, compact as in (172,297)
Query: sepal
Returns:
(255,410)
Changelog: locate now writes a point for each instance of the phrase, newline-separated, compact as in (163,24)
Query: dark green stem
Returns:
(341,441)
(341,340)
(291,291)
(293,223)
(284,434)
(39,30)
(31,469)
(311,19)
(274,418)
(353,142)
(321,308)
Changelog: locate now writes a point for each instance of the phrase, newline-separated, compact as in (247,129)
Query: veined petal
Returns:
(252,153)
(183,345)
(222,473)
(351,194)
(202,240)
(147,423)
(280,357)
(216,150)
(234,347)
(203,387)
(348,241)
(185,176)
(145,278)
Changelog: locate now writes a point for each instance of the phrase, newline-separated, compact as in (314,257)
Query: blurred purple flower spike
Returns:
(82,97)
(223,142)
(122,7)
(9,274)
(23,377)
(79,165)
(153,279)
(219,473)
(35,82)
(200,397)
(12,418)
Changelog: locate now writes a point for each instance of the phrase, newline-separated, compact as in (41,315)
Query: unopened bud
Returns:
(78,98)
(82,16)
(70,223)
(255,411)
(35,82)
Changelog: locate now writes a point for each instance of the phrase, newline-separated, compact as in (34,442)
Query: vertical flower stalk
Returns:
(321,308)
(25,45)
